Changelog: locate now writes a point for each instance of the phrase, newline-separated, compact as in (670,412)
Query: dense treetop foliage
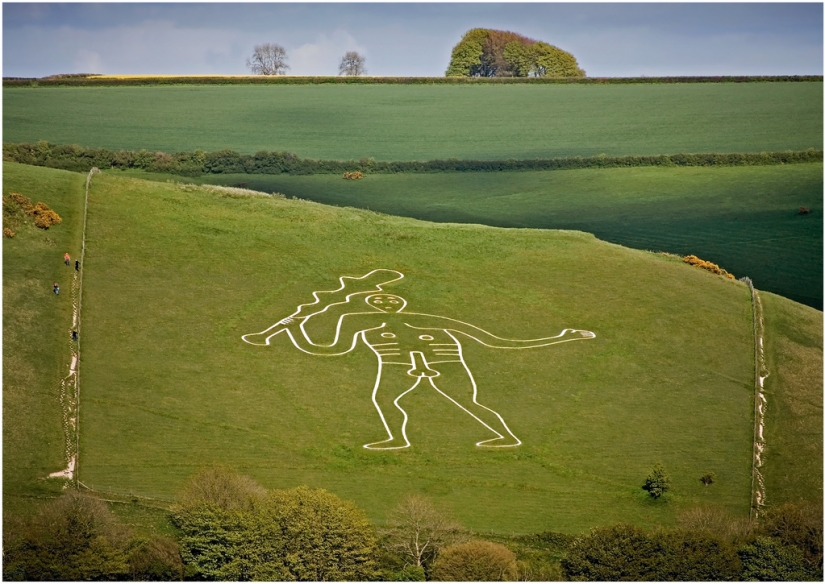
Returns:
(233,529)
(496,53)
(76,537)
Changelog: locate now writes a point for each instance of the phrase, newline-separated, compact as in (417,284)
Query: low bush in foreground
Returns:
(17,207)
(475,561)
(713,268)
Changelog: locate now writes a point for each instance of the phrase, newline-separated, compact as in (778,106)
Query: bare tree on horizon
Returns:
(268,59)
(352,64)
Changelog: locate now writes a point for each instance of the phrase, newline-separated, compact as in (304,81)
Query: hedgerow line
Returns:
(199,163)
(155,80)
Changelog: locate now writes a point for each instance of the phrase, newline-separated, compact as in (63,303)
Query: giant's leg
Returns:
(391,385)
(457,384)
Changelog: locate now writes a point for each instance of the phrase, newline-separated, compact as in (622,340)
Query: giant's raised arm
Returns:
(346,335)
(490,340)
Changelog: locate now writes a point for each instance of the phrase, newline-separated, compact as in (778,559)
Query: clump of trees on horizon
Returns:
(485,52)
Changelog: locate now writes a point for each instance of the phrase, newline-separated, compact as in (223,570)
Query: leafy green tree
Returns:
(466,57)
(768,560)
(520,58)
(657,482)
(797,524)
(618,552)
(475,561)
(496,53)
(231,530)
(695,556)
(155,559)
(325,538)
(625,552)
(73,538)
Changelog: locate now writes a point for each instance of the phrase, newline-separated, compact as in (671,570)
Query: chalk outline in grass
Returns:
(406,344)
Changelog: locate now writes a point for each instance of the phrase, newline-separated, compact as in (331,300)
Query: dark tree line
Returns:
(231,528)
(197,163)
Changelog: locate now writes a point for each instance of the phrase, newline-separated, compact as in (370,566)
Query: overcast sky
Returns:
(610,40)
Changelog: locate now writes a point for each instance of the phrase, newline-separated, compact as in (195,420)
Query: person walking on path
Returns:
(77,265)
(67,258)
(56,288)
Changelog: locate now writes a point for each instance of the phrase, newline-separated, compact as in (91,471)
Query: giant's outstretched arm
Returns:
(346,336)
(490,340)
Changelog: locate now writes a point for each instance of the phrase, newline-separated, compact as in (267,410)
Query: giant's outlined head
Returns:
(386,302)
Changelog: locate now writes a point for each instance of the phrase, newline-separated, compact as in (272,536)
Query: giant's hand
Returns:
(578,334)
(264,337)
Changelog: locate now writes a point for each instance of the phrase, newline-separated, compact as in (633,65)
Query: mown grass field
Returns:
(174,277)
(742,218)
(392,122)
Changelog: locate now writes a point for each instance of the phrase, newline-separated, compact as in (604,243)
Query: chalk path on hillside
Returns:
(760,495)
(761,373)
(69,392)
(406,344)
(68,396)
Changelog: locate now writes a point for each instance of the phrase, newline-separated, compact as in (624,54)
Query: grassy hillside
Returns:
(793,351)
(392,122)
(742,218)
(36,326)
(174,276)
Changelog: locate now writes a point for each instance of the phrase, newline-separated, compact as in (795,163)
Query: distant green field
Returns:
(742,218)
(391,122)
(175,275)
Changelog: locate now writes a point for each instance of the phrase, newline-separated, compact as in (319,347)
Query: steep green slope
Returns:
(175,275)
(793,432)
(36,326)
(742,218)
(400,122)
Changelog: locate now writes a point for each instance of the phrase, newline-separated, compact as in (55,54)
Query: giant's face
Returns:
(386,302)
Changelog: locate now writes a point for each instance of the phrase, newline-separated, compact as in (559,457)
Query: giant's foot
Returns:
(391,444)
(500,442)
